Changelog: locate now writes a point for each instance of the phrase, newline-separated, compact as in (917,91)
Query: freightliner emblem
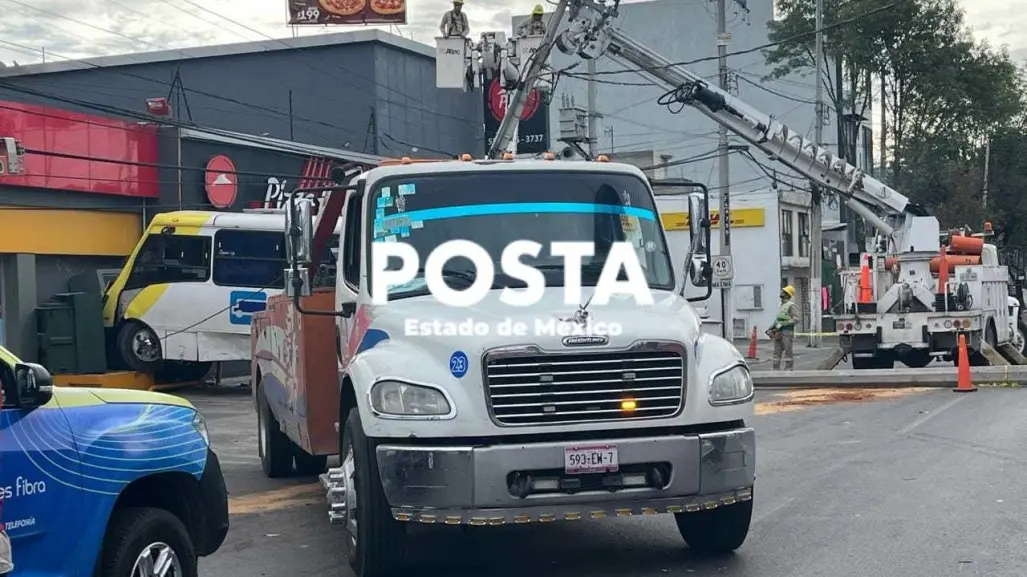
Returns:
(585,341)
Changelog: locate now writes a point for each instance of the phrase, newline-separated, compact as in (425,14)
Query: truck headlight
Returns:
(731,386)
(200,424)
(398,399)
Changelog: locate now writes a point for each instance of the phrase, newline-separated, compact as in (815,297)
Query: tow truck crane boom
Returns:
(879,204)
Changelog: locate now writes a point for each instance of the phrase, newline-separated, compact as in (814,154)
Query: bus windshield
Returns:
(496,208)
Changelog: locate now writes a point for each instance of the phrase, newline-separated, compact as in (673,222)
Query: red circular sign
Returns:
(497,102)
(221,181)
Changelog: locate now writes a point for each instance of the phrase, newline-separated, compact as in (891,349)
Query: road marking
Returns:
(276,499)
(803,399)
(905,430)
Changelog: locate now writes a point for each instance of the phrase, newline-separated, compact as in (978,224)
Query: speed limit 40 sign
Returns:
(723,271)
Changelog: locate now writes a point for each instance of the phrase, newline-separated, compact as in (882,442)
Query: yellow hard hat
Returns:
(538,10)
(460,2)
(789,290)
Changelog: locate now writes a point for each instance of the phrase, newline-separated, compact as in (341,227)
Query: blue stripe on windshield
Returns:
(520,208)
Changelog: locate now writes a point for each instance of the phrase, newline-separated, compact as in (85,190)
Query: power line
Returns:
(793,38)
(774,92)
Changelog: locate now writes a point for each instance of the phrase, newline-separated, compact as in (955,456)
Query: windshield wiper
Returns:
(455,273)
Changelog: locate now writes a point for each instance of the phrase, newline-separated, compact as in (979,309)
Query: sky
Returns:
(123,26)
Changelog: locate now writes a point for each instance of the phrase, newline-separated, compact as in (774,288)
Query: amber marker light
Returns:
(628,405)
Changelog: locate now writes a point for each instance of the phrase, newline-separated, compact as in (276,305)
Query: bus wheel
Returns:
(139,347)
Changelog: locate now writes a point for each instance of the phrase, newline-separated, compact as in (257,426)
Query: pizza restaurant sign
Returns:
(280,189)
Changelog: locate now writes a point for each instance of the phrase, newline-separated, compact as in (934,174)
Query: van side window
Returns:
(170,258)
(351,249)
(251,259)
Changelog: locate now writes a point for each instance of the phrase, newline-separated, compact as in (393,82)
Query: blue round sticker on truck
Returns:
(458,364)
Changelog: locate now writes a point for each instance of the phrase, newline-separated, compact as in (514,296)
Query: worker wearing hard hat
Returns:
(533,26)
(783,331)
(454,22)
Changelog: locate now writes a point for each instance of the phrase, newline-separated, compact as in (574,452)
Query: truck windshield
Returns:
(494,209)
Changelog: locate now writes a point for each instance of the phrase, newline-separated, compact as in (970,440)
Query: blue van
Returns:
(104,482)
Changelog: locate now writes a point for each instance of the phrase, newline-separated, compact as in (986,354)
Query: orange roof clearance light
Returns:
(508,156)
(548,156)
(406,160)
(602,158)
(465,157)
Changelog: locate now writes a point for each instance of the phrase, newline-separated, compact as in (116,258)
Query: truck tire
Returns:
(863,363)
(716,531)
(274,448)
(308,465)
(144,536)
(375,541)
(137,356)
(1021,330)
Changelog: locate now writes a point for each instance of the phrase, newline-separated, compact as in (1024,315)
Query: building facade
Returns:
(97,168)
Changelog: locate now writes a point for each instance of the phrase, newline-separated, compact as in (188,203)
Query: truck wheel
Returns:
(375,541)
(139,348)
(1021,337)
(273,446)
(917,358)
(308,465)
(147,541)
(716,531)
(863,363)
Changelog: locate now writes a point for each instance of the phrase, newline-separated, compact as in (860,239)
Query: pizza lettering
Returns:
(343,7)
(388,7)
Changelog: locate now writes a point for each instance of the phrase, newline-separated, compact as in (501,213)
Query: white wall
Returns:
(756,255)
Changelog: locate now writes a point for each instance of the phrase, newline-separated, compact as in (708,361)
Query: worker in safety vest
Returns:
(454,22)
(784,329)
(533,26)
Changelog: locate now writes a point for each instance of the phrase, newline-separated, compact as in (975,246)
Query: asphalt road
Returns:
(925,483)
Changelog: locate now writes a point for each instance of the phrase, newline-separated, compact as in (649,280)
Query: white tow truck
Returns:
(553,421)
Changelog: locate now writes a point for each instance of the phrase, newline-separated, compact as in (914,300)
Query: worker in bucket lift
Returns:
(783,331)
(533,26)
(454,22)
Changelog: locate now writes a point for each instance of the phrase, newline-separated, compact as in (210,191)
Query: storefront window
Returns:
(252,259)
(168,258)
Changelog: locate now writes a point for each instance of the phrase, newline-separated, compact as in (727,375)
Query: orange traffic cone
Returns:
(752,346)
(964,384)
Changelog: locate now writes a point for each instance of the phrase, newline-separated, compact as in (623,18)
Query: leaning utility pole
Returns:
(507,132)
(726,308)
(817,210)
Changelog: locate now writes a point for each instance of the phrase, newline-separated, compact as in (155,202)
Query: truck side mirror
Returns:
(299,243)
(299,230)
(699,270)
(35,385)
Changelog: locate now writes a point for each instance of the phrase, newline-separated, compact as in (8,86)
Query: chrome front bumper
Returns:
(471,484)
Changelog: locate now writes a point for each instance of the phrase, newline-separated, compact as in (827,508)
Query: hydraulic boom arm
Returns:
(590,32)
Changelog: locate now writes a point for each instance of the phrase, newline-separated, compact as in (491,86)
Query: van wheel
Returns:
(716,531)
(375,541)
(273,446)
(139,348)
(147,541)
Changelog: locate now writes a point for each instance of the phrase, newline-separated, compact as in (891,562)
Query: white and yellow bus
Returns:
(187,294)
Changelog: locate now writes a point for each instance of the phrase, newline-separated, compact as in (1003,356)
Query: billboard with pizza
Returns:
(349,12)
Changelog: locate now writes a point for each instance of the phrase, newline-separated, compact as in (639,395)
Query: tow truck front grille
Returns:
(547,389)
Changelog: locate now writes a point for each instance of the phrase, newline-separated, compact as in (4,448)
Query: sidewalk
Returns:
(806,358)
